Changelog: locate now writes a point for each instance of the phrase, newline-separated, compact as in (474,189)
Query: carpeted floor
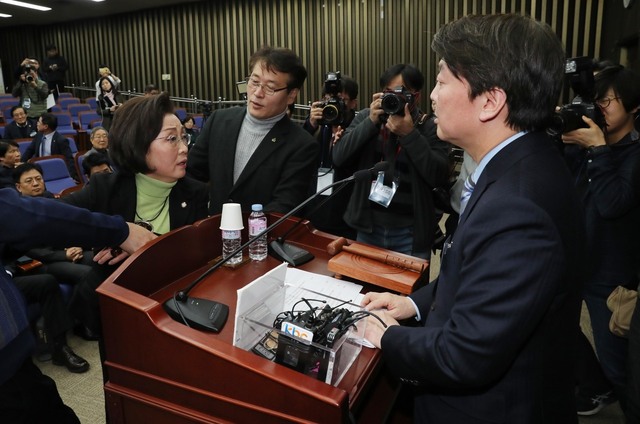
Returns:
(84,393)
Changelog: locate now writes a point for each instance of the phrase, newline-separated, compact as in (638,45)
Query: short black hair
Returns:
(412,77)
(135,125)
(4,146)
(94,159)
(624,82)
(350,86)
(281,60)
(514,53)
(188,118)
(151,87)
(50,120)
(13,109)
(25,167)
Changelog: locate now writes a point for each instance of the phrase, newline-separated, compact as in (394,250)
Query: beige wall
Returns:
(205,46)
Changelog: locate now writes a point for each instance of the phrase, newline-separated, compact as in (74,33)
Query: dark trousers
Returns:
(44,289)
(633,374)
(32,397)
(590,378)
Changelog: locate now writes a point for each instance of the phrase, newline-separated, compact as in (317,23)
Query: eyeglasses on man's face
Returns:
(31,180)
(254,84)
(604,103)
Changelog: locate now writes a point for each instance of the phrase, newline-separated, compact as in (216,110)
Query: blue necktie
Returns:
(467,190)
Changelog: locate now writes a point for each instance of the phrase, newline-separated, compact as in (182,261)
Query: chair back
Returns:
(78,158)
(64,94)
(86,117)
(180,112)
(56,175)
(23,144)
(65,124)
(91,101)
(65,102)
(72,145)
(77,108)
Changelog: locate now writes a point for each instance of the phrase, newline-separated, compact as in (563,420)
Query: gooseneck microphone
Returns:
(209,315)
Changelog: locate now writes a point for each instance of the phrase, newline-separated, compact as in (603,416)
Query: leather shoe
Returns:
(67,357)
(86,333)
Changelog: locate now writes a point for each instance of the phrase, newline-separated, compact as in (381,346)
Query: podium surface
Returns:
(159,370)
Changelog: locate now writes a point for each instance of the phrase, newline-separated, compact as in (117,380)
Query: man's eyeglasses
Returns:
(604,103)
(269,91)
(175,140)
(31,180)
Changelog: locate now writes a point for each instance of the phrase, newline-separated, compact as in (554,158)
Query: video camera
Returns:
(333,109)
(579,73)
(26,70)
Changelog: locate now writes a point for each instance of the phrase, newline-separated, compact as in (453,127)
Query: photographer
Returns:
(327,121)
(605,163)
(401,217)
(32,90)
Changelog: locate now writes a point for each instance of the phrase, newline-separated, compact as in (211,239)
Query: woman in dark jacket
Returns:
(109,100)
(149,148)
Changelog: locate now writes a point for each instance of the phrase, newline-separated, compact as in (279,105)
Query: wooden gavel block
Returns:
(375,265)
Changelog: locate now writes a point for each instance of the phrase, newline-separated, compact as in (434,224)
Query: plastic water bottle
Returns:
(257,224)
(230,242)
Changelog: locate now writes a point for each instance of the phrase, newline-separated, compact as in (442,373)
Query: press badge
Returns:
(325,178)
(26,103)
(381,193)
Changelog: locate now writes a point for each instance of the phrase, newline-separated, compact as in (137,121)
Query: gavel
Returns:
(340,244)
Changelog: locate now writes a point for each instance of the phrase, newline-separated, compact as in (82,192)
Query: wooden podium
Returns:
(161,371)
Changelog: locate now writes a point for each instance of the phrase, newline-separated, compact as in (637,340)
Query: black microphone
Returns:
(210,315)
(296,256)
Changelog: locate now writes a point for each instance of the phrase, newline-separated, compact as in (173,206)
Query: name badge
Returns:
(381,193)
(26,103)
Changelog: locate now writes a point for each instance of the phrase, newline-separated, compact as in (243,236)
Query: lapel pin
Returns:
(273,140)
(184,204)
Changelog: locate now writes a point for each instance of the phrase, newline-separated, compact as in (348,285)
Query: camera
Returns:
(579,73)
(393,100)
(333,109)
(26,70)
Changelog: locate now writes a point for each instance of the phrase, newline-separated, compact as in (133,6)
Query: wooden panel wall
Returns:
(205,46)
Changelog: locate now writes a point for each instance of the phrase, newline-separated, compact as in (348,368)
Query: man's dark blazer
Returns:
(278,175)
(501,321)
(59,146)
(13,131)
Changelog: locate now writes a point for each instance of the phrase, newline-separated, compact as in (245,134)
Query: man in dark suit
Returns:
(257,154)
(21,126)
(498,327)
(27,395)
(50,142)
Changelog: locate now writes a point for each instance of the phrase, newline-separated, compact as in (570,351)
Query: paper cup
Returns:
(231,219)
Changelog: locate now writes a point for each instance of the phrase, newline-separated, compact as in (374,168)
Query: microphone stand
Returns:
(210,315)
(293,255)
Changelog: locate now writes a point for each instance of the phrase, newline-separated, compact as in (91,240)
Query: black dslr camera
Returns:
(333,108)
(579,73)
(393,100)
(26,70)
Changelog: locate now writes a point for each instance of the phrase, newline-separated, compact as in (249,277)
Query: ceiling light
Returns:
(4,15)
(27,5)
